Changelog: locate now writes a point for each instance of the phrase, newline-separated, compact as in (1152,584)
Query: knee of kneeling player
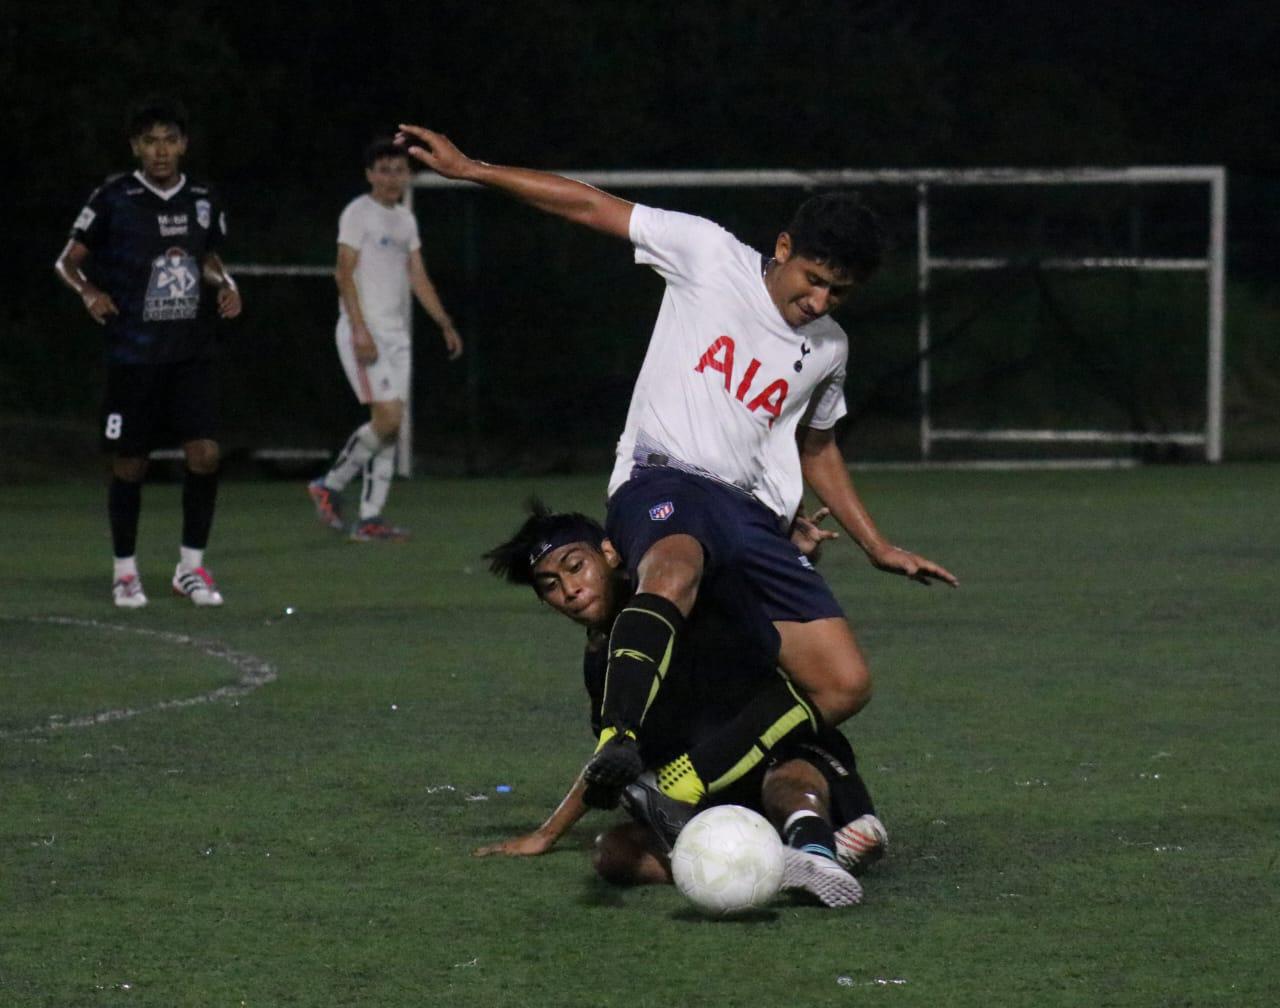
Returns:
(623,856)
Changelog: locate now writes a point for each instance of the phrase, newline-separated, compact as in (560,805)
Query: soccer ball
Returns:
(727,859)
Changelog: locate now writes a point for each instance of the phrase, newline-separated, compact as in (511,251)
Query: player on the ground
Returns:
(379,264)
(743,362)
(140,256)
(717,674)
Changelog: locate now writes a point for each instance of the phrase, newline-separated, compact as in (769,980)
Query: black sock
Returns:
(776,713)
(848,790)
(810,832)
(639,653)
(199,495)
(124,504)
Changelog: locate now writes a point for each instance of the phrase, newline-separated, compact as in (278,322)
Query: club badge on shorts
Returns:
(663,511)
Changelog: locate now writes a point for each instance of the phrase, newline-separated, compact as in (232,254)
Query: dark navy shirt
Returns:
(147,251)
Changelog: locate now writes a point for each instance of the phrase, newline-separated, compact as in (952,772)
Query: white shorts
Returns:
(385,379)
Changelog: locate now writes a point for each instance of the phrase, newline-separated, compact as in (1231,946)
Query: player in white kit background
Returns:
(379,265)
(733,410)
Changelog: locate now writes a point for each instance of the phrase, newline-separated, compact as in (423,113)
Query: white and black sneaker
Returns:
(196,584)
(820,877)
(861,843)
(127,593)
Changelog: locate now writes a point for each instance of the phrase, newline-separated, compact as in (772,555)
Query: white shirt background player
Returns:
(379,265)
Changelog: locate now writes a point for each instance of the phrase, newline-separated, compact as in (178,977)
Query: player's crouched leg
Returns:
(628,855)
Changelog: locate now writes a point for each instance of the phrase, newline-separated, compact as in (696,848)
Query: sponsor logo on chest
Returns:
(758,393)
(173,224)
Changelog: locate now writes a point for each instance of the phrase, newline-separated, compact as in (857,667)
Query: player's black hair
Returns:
(542,531)
(839,229)
(155,109)
(383,147)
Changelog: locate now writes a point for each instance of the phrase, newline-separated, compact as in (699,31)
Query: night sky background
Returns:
(284,96)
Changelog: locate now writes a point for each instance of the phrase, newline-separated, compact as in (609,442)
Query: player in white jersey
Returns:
(379,264)
(735,404)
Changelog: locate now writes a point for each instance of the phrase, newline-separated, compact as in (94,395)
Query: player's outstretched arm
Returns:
(824,469)
(569,811)
(568,198)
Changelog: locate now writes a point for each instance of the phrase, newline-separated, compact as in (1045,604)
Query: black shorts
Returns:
(150,406)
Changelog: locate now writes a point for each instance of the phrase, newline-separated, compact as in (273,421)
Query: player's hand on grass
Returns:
(435,150)
(229,303)
(896,560)
(99,304)
(806,535)
(529,845)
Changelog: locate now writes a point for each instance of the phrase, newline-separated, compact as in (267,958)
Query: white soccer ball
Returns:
(727,859)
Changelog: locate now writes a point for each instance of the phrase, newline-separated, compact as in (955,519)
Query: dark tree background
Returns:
(284,96)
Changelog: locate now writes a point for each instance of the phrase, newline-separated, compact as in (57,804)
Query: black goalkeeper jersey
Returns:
(147,252)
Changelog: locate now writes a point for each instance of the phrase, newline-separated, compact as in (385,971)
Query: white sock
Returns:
(361,446)
(378,473)
(125,567)
(190,559)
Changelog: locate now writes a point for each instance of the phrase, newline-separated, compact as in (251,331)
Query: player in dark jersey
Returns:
(722,674)
(143,257)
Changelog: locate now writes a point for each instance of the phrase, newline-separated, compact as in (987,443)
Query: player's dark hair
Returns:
(383,147)
(542,531)
(156,109)
(839,229)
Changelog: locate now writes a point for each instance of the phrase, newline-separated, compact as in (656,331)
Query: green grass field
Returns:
(1075,754)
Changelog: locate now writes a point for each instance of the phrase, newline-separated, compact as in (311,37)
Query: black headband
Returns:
(571,531)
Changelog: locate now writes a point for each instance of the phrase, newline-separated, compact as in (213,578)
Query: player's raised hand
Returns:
(896,560)
(435,150)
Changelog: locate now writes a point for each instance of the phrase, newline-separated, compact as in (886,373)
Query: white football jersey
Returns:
(720,392)
(384,237)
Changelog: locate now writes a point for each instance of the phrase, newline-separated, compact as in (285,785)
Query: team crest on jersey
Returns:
(663,511)
(204,213)
(173,291)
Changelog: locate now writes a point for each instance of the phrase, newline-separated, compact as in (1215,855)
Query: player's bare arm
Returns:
(425,291)
(70,269)
(345,276)
(575,201)
(569,811)
(824,469)
(215,273)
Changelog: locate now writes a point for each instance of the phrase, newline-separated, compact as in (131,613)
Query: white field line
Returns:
(254,673)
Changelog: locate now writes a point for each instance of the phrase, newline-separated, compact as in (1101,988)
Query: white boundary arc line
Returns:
(254,674)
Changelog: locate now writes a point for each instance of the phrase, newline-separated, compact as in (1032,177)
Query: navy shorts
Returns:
(150,406)
(745,545)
